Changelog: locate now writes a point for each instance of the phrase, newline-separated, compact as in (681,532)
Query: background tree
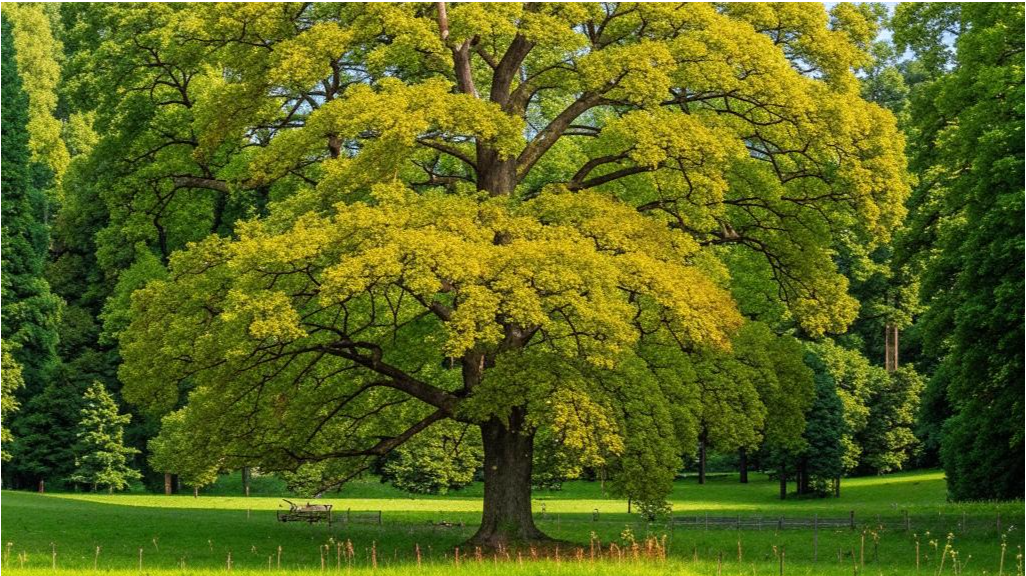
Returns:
(444,457)
(10,381)
(175,451)
(537,194)
(30,310)
(787,393)
(888,441)
(783,381)
(38,50)
(101,457)
(728,410)
(856,382)
(820,463)
(46,429)
(969,209)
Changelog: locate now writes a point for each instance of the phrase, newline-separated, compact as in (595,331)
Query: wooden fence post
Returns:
(815,538)
(851,520)
(379,517)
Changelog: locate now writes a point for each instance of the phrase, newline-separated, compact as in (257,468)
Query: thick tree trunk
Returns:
(506,518)
(497,176)
(743,464)
(167,484)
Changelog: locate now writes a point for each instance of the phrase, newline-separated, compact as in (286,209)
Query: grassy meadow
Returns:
(86,533)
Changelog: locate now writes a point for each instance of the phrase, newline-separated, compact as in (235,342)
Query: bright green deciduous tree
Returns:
(101,457)
(10,381)
(878,407)
(442,458)
(855,381)
(756,394)
(177,451)
(38,54)
(489,214)
(969,121)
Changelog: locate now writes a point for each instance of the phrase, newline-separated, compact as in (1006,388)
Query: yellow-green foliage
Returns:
(10,380)
(509,211)
(38,54)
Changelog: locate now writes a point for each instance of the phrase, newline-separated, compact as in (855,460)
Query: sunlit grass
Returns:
(172,532)
(869,495)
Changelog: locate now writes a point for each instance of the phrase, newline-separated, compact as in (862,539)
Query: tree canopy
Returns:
(969,208)
(483,214)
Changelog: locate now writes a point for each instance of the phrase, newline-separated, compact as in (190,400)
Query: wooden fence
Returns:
(940,522)
(959,522)
(761,522)
(366,517)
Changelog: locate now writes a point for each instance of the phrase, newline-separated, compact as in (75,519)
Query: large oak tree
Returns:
(512,216)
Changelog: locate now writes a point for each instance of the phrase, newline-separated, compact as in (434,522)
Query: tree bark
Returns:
(245,479)
(801,477)
(743,464)
(701,458)
(508,450)
(497,176)
(890,347)
(783,482)
(167,484)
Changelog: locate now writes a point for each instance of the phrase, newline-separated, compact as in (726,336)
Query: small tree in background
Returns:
(101,457)
(821,463)
(441,459)
(175,451)
(888,441)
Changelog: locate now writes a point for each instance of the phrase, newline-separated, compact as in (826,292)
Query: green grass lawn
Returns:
(199,533)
